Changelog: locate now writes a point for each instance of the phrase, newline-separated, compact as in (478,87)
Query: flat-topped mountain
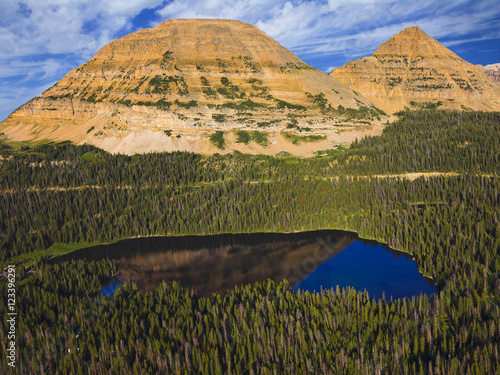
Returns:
(414,70)
(184,82)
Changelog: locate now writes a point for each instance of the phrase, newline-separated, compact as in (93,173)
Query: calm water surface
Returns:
(308,260)
(366,265)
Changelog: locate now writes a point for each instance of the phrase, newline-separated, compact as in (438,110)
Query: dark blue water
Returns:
(109,290)
(217,263)
(370,267)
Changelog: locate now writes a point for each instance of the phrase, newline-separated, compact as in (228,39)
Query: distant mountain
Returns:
(174,86)
(414,70)
(492,71)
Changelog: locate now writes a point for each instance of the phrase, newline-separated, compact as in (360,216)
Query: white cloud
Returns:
(329,69)
(42,69)
(42,40)
(251,10)
(64,26)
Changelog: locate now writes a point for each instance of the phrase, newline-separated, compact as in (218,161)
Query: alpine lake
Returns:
(311,261)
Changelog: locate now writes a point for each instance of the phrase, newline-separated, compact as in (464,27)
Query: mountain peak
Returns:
(207,23)
(173,86)
(413,41)
(198,38)
(200,21)
(412,30)
(413,70)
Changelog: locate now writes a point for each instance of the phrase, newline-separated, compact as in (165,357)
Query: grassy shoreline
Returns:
(55,250)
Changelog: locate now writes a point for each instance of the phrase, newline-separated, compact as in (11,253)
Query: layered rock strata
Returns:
(174,86)
(413,70)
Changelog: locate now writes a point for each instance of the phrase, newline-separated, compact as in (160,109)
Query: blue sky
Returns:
(40,41)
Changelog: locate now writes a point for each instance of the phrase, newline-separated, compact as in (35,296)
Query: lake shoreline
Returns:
(216,263)
(61,250)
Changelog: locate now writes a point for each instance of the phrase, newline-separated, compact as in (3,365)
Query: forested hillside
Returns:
(464,142)
(449,223)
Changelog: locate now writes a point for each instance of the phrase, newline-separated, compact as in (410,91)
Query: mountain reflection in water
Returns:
(217,263)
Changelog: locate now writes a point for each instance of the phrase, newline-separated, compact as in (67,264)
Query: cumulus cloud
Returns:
(33,27)
(42,40)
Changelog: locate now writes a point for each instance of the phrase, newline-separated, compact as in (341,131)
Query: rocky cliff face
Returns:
(414,70)
(492,71)
(174,86)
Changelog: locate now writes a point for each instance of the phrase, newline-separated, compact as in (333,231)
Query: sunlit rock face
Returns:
(414,70)
(492,71)
(171,87)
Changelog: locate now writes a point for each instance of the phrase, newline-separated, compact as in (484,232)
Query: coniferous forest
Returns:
(448,219)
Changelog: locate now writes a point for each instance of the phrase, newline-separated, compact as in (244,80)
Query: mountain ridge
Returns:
(492,71)
(412,70)
(171,87)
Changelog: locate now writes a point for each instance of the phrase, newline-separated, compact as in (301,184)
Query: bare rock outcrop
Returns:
(172,87)
(414,70)
(492,71)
